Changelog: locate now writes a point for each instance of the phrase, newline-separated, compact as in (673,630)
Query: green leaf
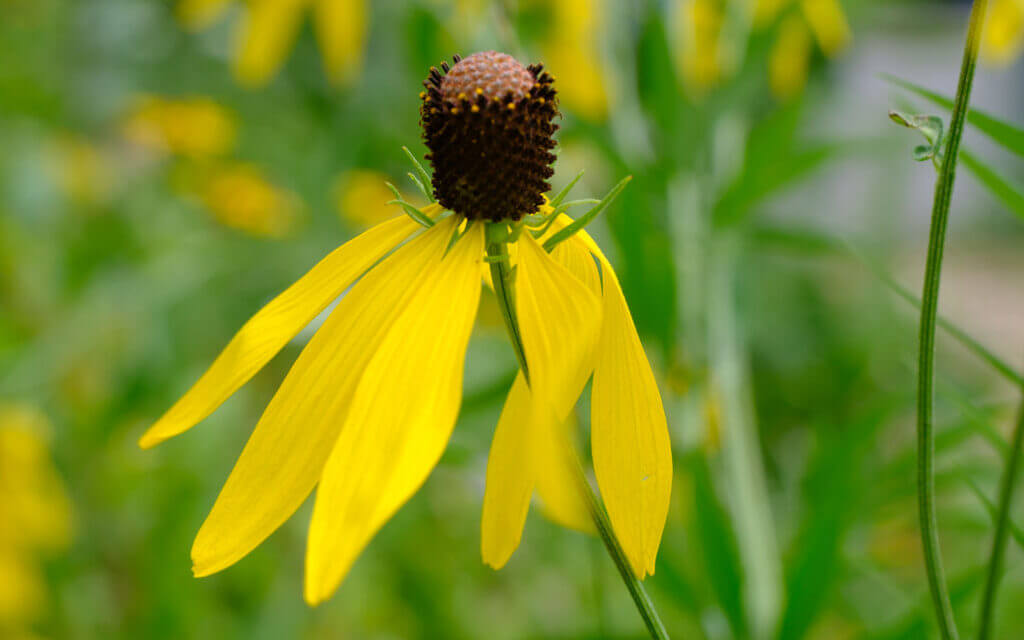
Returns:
(924,152)
(1006,134)
(990,507)
(929,126)
(718,548)
(1009,194)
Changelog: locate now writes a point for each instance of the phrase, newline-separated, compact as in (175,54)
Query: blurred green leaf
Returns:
(718,546)
(1000,187)
(990,507)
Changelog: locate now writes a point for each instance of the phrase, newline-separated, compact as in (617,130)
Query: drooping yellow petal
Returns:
(401,416)
(557,475)
(559,317)
(829,25)
(629,433)
(267,33)
(510,479)
(341,27)
(275,324)
(286,453)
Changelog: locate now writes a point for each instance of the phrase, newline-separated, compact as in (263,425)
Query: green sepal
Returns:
(557,200)
(424,176)
(586,218)
(410,210)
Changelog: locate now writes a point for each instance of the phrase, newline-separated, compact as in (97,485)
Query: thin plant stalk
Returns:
(995,564)
(929,307)
(503,279)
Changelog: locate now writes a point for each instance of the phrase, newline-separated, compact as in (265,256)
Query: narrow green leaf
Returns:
(419,184)
(990,507)
(1009,194)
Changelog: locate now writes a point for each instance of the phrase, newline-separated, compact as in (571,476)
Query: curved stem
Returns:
(929,306)
(611,543)
(504,288)
(988,601)
(501,277)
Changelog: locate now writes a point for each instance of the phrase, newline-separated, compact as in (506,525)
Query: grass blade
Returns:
(1000,187)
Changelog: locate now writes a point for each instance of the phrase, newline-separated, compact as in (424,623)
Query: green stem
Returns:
(501,277)
(929,306)
(504,288)
(636,588)
(988,601)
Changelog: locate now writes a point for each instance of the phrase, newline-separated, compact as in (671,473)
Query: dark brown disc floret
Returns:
(488,122)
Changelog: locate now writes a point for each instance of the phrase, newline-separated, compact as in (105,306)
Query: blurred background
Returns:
(168,167)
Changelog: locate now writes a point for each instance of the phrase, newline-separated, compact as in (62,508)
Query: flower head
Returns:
(366,411)
(488,122)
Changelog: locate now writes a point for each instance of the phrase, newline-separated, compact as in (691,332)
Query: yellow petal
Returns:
(829,25)
(559,317)
(266,35)
(557,475)
(275,324)
(401,417)
(510,478)
(285,454)
(628,433)
(341,27)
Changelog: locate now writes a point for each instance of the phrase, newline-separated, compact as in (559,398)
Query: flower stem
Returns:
(501,277)
(604,528)
(988,601)
(504,288)
(929,305)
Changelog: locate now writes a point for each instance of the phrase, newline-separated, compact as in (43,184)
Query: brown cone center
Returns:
(489,73)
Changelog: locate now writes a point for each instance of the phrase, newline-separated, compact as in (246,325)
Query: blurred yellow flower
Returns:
(81,170)
(241,197)
(362,197)
(790,56)
(574,58)
(268,29)
(1003,36)
(194,126)
(699,24)
(35,513)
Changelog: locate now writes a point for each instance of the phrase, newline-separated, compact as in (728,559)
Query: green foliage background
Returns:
(786,365)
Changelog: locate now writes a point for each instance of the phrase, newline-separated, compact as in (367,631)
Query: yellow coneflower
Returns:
(240,196)
(362,197)
(35,514)
(366,411)
(790,58)
(699,23)
(1003,37)
(268,29)
(194,126)
(573,56)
